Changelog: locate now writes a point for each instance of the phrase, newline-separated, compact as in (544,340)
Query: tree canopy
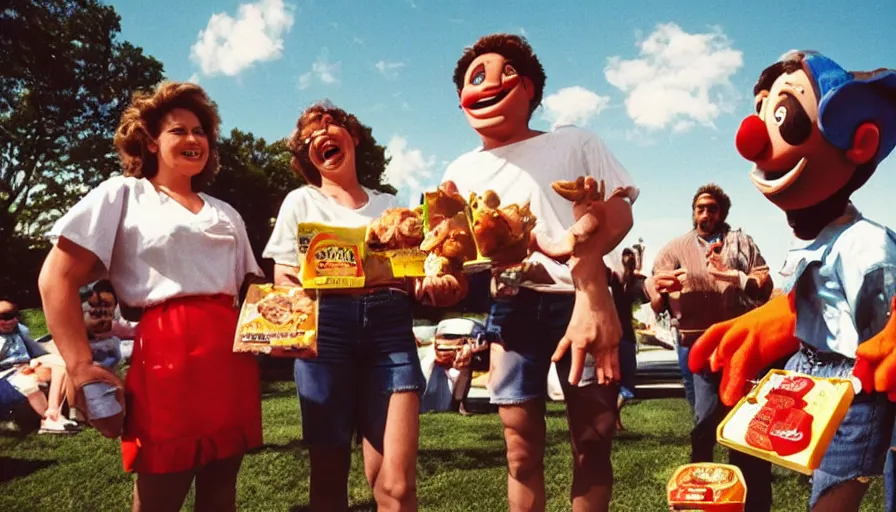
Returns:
(65,79)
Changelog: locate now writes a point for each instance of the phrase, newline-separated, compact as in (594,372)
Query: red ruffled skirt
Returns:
(190,399)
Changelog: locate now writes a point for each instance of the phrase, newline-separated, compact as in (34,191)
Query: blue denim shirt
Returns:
(844,280)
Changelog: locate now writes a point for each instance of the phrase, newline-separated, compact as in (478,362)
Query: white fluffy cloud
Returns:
(229,45)
(322,70)
(679,79)
(573,105)
(389,69)
(408,169)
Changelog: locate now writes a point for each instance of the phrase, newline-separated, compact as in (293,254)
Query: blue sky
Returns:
(665,83)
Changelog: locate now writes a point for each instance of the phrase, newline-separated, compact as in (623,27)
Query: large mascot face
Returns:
(808,136)
(794,166)
(494,97)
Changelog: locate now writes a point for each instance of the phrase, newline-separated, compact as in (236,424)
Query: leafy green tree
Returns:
(64,81)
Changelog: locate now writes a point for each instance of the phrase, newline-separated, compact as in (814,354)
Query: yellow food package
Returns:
(395,237)
(460,249)
(277,320)
(788,419)
(707,486)
(330,256)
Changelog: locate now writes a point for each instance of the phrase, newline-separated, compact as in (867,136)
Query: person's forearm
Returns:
(65,318)
(618,223)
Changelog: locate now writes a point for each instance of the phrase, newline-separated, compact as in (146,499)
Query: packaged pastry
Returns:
(331,256)
(393,241)
(277,320)
(788,419)
(707,486)
(448,239)
(501,232)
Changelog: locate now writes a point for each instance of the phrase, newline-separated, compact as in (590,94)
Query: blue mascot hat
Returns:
(845,102)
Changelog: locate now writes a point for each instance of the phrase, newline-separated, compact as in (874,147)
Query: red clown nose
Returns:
(752,138)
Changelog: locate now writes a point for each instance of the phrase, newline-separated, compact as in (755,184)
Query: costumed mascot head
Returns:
(500,83)
(818,134)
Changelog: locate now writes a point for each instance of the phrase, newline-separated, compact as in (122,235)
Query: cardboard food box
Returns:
(707,486)
(277,320)
(788,419)
(331,256)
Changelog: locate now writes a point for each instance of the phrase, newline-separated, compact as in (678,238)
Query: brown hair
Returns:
(513,48)
(141,122)
(718,194)
(301,162)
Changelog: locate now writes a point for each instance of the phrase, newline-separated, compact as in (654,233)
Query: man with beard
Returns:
(708,275)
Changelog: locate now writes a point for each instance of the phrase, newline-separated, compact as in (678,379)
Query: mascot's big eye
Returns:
(509,70)
(794,124)
(478,77)
(780,115)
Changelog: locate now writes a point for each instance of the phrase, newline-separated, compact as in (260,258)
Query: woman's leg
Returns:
(161,492)
(216,485)
(330,467)
(392,472)
(389,400)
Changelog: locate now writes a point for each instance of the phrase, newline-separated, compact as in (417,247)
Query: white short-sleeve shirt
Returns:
(308,204)
(523,172)
(153,248)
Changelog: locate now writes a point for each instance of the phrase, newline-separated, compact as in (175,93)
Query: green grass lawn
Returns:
(460,467)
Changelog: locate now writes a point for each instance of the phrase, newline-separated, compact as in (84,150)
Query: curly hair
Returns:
(513,48)
(301,161)
(141,123)
(718,194)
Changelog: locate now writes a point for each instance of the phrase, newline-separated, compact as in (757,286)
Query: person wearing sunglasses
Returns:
(710,274)
(366,377)
(20,360)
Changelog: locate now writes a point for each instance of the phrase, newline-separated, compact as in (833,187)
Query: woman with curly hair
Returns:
(174,254)
(367,376)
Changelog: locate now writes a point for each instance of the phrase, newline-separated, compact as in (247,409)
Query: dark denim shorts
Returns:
(529,325)
(366,352)
(860,445)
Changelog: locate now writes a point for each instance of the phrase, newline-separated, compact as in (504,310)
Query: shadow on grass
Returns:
(370,506)
(295,445)
(432,461)
(11,468)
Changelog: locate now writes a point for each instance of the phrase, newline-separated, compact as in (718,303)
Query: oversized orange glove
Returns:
(876,359)
(742,347)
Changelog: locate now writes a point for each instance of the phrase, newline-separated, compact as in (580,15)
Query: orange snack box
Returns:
(788,419)
(707,486)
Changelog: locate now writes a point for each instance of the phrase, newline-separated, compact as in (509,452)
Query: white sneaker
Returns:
(60,426)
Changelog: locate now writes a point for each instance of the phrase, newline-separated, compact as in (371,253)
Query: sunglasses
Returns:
(9,315)
(325,122)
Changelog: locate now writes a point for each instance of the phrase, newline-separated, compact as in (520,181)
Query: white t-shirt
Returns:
(523,172)
(153,248)
(308,204)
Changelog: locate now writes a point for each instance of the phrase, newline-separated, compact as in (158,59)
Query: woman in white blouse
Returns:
(367,376)
(173,254)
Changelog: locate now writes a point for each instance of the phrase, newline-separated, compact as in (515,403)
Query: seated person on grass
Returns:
(22,362)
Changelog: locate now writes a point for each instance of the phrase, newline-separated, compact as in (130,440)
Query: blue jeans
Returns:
(366,352)
(860,445)
(687,378)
